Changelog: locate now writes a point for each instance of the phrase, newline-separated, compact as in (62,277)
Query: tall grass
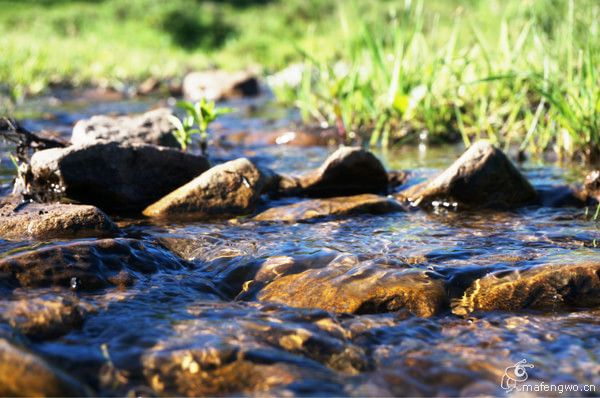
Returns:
(523,74)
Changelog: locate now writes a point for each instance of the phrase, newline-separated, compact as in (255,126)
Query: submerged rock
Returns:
(152,127)
(44,316)
(85,265)
(218,85)
(110,175)
(348,286)
(340,206)
(24,374)
(229,189)
(245,350)
(348,171)
(544,287)
(483,177)
(48,221)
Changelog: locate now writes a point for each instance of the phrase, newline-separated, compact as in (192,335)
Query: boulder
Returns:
(338,207)
(85,265)
(151,127)
(543,287)
(25,374)
(348,171)
(49,221)
(110,175)
(348,286)
(219,85)
(483,177)
(227,190)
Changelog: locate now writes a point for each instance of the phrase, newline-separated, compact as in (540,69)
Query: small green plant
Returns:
(198,118)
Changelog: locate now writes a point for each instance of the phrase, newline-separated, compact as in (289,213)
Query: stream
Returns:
(198,324)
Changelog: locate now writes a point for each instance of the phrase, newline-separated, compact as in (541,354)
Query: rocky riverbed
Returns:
(280,265)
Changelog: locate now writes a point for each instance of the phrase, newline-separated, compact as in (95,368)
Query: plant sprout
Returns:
(198,118)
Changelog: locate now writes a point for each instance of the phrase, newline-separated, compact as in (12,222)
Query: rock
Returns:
(544,287)
(112,176)
(245,350)
(148,86)
(227,190)
(561,196)
(591,186)
(348,286)
(49,221)
(219,85)
(43,317)
(348,171)
(338,207)
(483,177)
(151,127)
(23,373)
(85,265)
(397,178)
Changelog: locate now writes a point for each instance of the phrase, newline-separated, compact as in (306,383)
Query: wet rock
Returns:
(112,176)
(47,221)
(86,265)
(151,127)
(227,190)
(23,373)
(397,178)
(348,171)
(348,286)
(45,316)
(561,196)
(218,85)
(338,207)
(543,287)
(591,186)
(244,350)
(483,177)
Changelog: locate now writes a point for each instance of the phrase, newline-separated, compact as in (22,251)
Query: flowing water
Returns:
(200,326)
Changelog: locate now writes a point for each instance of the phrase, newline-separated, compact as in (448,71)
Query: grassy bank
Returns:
(114,41)
(523,73)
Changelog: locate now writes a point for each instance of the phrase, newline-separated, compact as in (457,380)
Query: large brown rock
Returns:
(24,374)
(543,287)
(348,171)
(48,221)
(110,175)
(348,286)
(483,177)
(338,207)
(85,265)
(152,127)
(229,189)
(218,85)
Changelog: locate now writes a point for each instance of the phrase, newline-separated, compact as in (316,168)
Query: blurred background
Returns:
(517,72)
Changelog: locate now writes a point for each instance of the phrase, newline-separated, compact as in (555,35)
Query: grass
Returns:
(114,42)
(518,73)
(521,73)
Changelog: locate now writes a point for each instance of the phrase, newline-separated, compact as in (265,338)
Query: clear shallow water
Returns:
(195,329)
